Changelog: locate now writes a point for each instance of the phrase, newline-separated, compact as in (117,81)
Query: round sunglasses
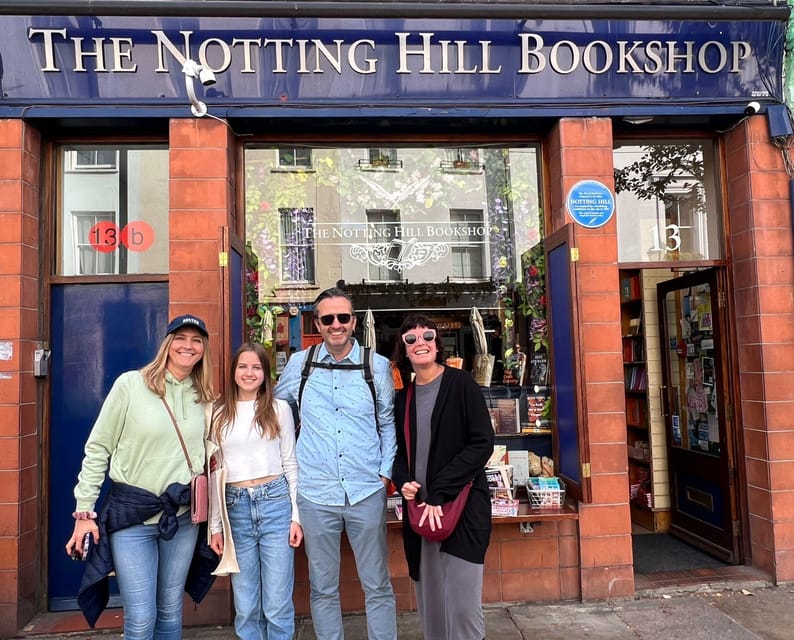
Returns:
(429,335)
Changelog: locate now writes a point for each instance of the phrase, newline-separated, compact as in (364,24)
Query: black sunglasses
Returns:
(427,336)
(328,320)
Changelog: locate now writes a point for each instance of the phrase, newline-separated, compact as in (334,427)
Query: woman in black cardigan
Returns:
(451,439)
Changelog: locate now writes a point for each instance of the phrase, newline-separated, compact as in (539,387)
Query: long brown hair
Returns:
(265,417)
(154,372)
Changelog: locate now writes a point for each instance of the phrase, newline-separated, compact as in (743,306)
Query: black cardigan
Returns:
(461,442)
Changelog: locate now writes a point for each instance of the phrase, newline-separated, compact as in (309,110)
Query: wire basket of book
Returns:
(545,493)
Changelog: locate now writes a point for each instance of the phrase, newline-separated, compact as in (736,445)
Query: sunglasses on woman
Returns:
(328,319)
(429,335)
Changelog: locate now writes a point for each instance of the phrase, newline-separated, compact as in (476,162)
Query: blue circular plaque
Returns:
(590,203)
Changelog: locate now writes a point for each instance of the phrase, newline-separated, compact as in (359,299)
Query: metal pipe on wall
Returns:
(749,11)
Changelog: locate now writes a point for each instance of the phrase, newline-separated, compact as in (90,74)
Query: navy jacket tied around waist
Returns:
(124,507)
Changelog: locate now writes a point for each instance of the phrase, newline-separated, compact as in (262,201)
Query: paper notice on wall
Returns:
(6,350)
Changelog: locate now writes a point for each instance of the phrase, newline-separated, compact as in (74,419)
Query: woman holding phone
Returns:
(143,530)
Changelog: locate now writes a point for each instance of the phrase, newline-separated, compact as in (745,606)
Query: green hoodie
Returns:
(136,434)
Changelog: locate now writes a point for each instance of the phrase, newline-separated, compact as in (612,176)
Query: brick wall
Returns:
(582,149)
(20,437)
(763,278)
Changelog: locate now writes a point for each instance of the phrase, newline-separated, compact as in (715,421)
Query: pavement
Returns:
(749,612)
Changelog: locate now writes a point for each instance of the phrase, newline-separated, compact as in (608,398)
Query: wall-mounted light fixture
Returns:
(637,119)
(193,70)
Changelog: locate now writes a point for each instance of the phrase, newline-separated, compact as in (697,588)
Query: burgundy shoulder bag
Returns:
(452,509)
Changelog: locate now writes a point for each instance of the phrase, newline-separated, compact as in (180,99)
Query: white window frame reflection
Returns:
(87,260)
(468,258)
(297,245)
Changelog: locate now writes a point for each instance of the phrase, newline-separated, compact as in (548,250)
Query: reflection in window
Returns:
(297,245)
(467,254)
(383,228)
(382,156)
(92,159)
(353,210)
(295,158)
(102,190)
(667,204)
(88,260)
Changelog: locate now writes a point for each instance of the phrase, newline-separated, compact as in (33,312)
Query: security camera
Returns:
(752,108)
(207,77)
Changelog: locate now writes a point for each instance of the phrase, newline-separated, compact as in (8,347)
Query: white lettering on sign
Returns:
(429,55)
(651,57)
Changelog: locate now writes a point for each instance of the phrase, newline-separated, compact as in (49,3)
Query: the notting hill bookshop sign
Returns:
(327,61)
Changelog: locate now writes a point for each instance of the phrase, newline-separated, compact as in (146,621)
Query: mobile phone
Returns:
(85,547)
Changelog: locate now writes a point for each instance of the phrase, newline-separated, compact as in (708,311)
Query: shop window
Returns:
(397,241)
(292,158)
(468,254)
(668,205)
(384,231)
(297,245)
(113,210)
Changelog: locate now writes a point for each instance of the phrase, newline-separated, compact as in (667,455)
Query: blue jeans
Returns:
(365,523)
(260,518)
(151,575)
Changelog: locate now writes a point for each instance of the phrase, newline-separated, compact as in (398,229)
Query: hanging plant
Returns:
(532,295)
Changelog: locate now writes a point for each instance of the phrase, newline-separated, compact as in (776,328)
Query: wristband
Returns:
(84,515)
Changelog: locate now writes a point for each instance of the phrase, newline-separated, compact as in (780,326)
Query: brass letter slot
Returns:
(700,498)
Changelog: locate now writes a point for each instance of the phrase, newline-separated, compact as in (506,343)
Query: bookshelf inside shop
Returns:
(635,374)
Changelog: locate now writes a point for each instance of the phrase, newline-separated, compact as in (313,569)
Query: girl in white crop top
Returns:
(254,518)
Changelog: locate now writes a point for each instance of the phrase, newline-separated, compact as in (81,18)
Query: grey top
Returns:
(426,395)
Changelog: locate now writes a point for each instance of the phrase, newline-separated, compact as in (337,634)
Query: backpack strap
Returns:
(366,362)
(308,363)
(366,367)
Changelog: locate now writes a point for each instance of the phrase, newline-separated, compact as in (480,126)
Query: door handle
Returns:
(663,399)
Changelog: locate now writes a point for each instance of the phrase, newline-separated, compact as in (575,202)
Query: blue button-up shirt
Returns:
(341,453)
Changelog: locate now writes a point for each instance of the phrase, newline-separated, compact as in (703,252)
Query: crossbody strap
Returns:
(179,433)
(407,423)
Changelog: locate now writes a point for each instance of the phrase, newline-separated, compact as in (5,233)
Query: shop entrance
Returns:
(679,425)
(98,331)
(698,407)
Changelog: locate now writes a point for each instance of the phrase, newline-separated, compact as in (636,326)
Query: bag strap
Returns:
(179,433)
(308,363)
(407,422)
(365,366)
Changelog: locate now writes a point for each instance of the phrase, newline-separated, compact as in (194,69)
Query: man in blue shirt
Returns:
(345,455)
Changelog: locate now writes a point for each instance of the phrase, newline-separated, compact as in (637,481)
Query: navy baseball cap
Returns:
(187,321)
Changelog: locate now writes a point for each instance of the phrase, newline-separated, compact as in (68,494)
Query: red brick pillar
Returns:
(581,149)
(763,279)
(202,200)
(20,437)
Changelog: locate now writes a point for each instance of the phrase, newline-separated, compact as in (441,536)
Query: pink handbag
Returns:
(199,483)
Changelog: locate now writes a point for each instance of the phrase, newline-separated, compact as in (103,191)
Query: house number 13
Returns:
(672,237)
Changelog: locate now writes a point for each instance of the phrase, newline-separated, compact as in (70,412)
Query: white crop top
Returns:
(248,455)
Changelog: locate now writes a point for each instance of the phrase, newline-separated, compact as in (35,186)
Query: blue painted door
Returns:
(98,331)
(698,411)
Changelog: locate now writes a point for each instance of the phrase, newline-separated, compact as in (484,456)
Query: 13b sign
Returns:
(106,236)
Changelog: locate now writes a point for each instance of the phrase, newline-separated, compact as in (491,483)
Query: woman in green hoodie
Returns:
(134,441)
